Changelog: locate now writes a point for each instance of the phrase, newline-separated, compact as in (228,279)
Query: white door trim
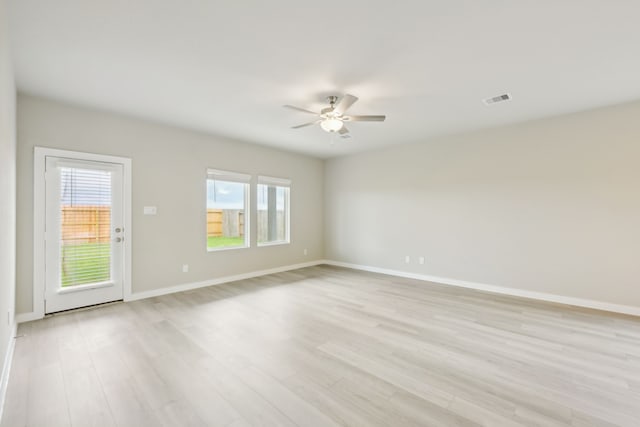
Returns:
(39,218)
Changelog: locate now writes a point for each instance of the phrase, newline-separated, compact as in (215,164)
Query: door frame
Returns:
(39,218)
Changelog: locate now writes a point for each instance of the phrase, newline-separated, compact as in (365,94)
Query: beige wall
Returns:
(169,171)
(7,189)
(548,206)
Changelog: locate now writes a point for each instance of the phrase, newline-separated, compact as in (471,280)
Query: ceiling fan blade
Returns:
(306,124)
(365,118)
(344,104)
(343,130)
(300,109)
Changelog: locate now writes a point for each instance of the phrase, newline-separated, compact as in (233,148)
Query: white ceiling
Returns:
(227,67)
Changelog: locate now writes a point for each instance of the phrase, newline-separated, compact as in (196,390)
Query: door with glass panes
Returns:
(84,233)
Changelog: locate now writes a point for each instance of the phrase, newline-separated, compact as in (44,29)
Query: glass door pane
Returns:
(85,226)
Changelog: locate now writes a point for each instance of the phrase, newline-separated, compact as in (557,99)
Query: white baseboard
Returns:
(27,317)
(218,281)
(6,369)
(578,302)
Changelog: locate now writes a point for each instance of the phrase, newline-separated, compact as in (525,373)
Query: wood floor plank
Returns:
(327,346)
(47,404)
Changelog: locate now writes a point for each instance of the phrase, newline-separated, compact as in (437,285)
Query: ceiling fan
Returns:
(333,119)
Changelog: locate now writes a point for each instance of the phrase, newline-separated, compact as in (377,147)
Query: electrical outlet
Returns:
(185,268)
(305,252)
(407,259)
(421,260)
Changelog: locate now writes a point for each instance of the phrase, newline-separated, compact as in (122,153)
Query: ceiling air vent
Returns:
(495,99)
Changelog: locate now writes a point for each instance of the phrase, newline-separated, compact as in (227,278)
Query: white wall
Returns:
(7,193)
(550,206)
(169,171)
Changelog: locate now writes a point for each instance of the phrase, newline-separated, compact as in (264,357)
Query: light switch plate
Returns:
(150,210)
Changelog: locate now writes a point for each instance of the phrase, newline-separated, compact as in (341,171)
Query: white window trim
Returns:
(228,176)
(270,180)
(280,182)
(243,178)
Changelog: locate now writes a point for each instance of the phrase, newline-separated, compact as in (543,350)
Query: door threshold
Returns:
(88,307)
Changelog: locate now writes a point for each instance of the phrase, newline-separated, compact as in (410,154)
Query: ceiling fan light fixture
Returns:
(331,119)
(331,124)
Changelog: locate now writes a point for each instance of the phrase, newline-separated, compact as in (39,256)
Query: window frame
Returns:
(277,182)
(235,177)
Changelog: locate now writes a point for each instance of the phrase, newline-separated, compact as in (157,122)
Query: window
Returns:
(273,210)
(227,210)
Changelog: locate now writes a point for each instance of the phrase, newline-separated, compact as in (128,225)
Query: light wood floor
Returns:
(327,346)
